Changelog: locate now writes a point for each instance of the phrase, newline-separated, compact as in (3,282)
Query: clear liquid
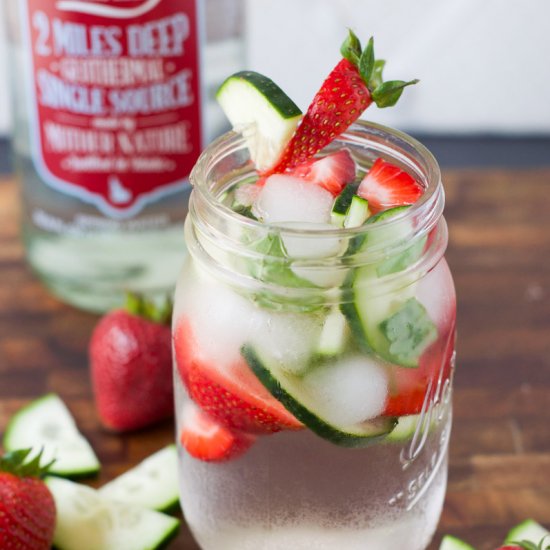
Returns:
(294,490)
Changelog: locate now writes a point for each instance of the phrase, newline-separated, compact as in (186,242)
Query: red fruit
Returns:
(131,368)
(27,508)
(510,547)
(208,440)
(331,172)
(349,89)
(386,186)
(234,397)
(339,102)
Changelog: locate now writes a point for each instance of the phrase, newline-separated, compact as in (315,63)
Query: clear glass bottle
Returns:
(113,102)
(320,433)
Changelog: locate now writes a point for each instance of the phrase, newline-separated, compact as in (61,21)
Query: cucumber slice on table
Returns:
(254,103)
(152,484)
(47,424)
(87,521)
(452,543)
(528,531)
(288,389)
(392,324)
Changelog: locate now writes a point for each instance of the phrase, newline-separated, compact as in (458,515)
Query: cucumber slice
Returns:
(87,521)
(358,212)
(333,335)
(392,324)
(288,389)
(452,543)
(47,424)
(529,531)
(342,203)
(151,484)
(252,100)
(408,425)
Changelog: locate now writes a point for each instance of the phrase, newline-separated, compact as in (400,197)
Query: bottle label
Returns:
(115,92)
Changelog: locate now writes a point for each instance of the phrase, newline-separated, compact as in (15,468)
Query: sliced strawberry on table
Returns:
(206,439)
(234,396)
(386,186)
(331,172)
(349,89)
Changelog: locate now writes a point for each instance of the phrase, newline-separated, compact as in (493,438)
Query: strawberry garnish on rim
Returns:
(331,172)
(386,186)
(205,439)
(349,89)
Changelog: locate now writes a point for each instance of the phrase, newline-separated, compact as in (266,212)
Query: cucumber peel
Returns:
(452,543)
(87,521)
(285,387)
(254,104)
(151,484)
(529,531)
(47,424)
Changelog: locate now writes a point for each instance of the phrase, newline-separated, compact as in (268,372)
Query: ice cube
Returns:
(349,391)
(287,339)
(289,199)
(222,320)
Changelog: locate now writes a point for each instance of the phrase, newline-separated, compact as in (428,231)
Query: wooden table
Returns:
(499,252)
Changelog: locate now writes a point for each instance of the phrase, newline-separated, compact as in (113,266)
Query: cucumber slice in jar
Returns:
(87,521)
(342,203)
(452,543)
(47,424)
(151,484)
(392,324)
(303,399)
(358,212)
(254,103)
(528,531)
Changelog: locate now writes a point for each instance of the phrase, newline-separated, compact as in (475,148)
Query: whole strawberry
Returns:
(352,86)
(131,366)
(27,508)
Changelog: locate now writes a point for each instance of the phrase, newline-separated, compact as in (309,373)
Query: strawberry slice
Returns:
(331,172)
(234,397)
(205,439)
(349,89)
(386,186)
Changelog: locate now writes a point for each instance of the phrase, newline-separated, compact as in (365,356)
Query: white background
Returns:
(483,64)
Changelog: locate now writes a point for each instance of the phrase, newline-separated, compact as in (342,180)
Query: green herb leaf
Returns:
(366,63)
(351,48)
(275,267)
(409,331)
(388,93)
(403,260)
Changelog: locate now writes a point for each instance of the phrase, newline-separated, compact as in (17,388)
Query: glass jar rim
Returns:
(428,207)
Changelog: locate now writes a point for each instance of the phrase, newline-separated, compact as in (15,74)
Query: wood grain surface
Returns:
(499,252)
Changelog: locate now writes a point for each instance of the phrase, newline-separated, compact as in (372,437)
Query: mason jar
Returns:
(313,367)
